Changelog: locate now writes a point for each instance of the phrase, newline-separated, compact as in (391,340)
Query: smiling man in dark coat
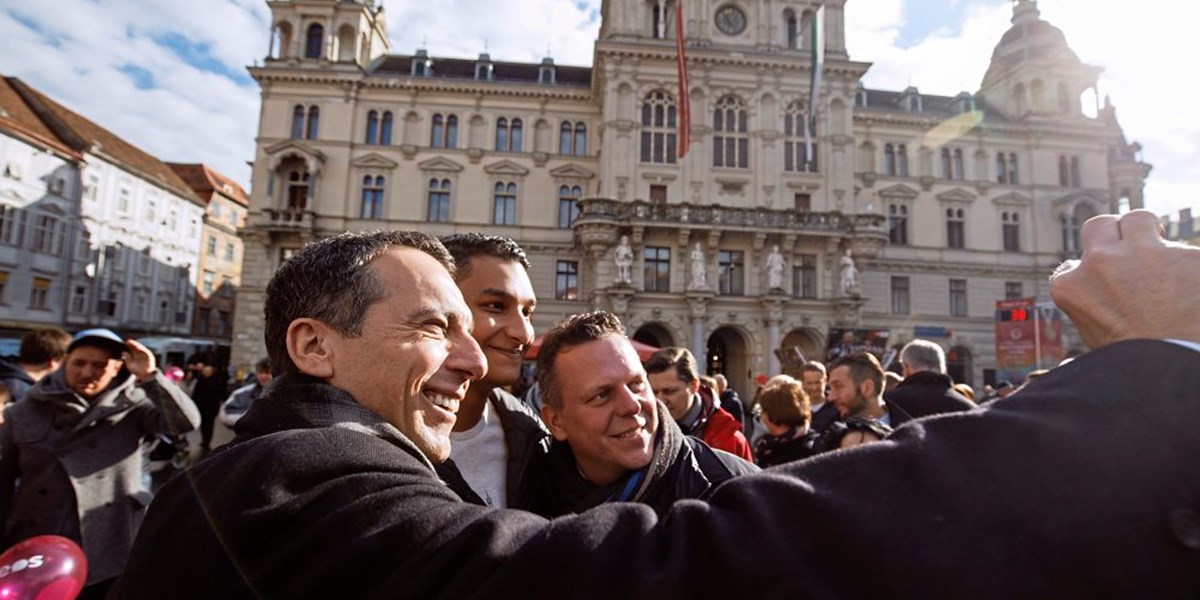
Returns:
(328,490)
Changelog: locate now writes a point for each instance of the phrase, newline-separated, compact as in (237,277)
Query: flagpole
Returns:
(685,103)
(817,65)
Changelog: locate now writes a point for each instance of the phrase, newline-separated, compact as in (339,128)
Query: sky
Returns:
(170,76)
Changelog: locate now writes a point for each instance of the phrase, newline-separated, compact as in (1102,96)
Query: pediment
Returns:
(440,164)
(1012,199)
(506,167)
(571,171)
(1081,196)
(375,161)
(52,208)
(956,195)
(899,191)
(296,146)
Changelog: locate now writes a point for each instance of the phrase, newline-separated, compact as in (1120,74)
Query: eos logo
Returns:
(32,562)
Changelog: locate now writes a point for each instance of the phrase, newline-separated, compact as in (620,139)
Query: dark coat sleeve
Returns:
(1079,486)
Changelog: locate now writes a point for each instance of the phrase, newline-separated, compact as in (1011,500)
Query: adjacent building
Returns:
(93,230)
(891,210)
(220,265)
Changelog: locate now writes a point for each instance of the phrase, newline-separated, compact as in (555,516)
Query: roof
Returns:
(464,68)
(931,105)
(204,181)
(16,116)
(82,135)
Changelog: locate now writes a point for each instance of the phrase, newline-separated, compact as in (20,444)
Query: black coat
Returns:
(1082,485)
(927,393)
(823,417)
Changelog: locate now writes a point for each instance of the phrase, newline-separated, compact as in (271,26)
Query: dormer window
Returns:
(860,97)
(422,66)
(965,102)
(484,68)
(546,72)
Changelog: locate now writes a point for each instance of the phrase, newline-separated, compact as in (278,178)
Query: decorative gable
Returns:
(440,164)
(956,195)
(900,191)
(374,161)
(571,171)
(1012,199)
(506,168)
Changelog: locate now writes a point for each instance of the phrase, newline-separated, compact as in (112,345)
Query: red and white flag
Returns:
(685,103)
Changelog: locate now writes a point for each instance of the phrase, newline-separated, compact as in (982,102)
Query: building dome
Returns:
(1031,37)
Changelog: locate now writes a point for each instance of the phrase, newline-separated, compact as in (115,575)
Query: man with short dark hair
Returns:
(675,380)
(498,445)
(856,389)
(320,498)
(71,452)
(926,388)
(613,441)
(815,379)
(41,352)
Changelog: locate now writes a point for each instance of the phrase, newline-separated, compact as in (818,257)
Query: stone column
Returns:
(698,302)
(774,315)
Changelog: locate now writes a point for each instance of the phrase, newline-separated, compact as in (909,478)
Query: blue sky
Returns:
(170,76)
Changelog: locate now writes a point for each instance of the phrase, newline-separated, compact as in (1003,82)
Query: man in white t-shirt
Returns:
(498,445)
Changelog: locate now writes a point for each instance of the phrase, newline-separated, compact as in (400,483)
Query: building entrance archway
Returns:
(808,341)
(654,334)
(729,354)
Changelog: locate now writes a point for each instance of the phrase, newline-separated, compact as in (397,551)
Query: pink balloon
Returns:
(46,567)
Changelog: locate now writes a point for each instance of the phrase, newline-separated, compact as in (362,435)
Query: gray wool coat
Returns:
(73,468)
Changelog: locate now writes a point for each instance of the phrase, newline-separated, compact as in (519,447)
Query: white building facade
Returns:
(943,204)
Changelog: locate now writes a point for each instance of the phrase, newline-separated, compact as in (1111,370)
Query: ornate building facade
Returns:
(912,213)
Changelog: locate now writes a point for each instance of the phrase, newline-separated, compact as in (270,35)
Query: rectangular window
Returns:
(224,322)
(658,269)
(3,284)
(42,238)
(207,288)
(439,201)
(566,280)
(900,304)
(1014,290)
(226,286)
(658,194)
(568,210)
(78,299)
(732,269)
(212,245)
(204,319)
(955,228)
(504,204)
(229,252)
(958,297)
(898,224)
(39,293)
(804,276)
(803,202)
(1011,230)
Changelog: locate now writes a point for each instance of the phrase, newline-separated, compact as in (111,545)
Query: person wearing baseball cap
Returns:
(79,436)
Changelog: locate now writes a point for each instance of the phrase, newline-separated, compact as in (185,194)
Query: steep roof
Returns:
(83,135)
(931,105)
(464,68)
(17,117)
(204,181)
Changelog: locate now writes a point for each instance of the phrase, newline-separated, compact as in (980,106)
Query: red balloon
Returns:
(46,567)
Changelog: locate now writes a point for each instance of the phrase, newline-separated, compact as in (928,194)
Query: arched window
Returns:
(314,44)
(947,164)
(439,201)
(902,160)
(795,149)
(514,136)
(1011,231)
(568,205)
(502,134)
(372,128)
(564,138)
(437,135)
(296,192)
(793,29)
(1013,177)
(898,224)
(731,143)
(580,139)
(451,131)
(1001,168)
(504,204)
(889,160)
(958,164)
(658,128)
(314,121)
(298,123)
(385,129)
(372,197)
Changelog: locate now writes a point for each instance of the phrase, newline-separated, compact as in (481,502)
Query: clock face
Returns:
(731,20)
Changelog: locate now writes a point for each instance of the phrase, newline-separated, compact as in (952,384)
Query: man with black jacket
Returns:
(498,445)
(329,489)
(925,389)
(40,354)
(613,441)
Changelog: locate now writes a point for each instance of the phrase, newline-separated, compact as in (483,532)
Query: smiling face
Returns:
(415,357)
(607,413)
(502,302)
(89,370)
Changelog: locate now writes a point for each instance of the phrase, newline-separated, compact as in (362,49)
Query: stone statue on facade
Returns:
(699,269)
(775,266)
(849,283)
(623,257)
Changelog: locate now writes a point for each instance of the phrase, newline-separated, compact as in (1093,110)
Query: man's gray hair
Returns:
(331,280)
(924,355)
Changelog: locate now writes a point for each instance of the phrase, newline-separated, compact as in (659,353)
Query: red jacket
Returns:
(719,429)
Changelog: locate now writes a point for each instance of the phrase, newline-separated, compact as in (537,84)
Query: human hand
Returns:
(139,360)
(1130,282)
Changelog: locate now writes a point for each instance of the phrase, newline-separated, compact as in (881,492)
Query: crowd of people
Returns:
(379,452)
